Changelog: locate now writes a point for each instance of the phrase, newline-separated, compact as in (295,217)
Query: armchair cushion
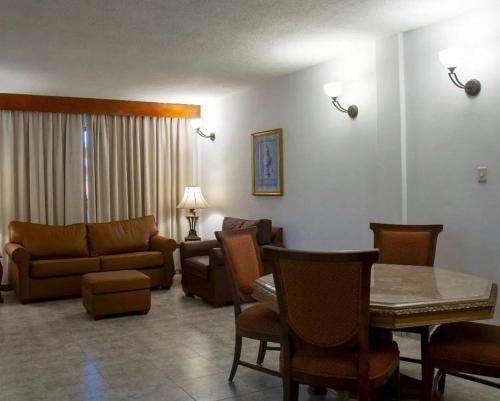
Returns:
(197,266)
(121,236)
(44,241)
(264,227)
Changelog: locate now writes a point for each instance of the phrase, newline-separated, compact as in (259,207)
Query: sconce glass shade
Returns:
(333,89)
(196,123)
(452,58)
(192,199)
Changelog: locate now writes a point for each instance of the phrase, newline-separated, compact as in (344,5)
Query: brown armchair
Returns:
(203,265)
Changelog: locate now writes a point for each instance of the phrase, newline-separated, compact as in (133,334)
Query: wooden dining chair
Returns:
(462,350)
(244,266)
(405,244)
(324,312)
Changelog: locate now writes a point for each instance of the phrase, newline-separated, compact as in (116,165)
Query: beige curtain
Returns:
(138,166)
(41,162)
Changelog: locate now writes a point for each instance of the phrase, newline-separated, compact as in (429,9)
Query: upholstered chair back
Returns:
(242,259)
(323,297)
(406,244)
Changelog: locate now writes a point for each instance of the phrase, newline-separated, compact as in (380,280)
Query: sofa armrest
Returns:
(216,257)
(162,244)
(19,270)
(197,248)
(17,253)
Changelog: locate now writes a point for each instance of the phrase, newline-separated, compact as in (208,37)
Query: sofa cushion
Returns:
(133,260)
(109,282)
(197,266)
(44,241)
(121,236)
(64,267)
(264,227)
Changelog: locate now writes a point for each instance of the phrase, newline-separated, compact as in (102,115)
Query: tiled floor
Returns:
(180,351)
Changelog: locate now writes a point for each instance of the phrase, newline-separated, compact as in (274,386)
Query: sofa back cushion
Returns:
(44,241)
(264,227)
(121,236)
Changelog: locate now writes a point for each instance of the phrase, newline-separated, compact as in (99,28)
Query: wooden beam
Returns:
(57,104)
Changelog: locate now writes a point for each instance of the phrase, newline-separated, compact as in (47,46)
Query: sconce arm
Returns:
(338,105)
(454,78)
(200,133)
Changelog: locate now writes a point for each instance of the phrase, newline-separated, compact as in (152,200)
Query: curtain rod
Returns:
(78,105)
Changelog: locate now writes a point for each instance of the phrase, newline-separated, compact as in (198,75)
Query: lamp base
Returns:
(192,235)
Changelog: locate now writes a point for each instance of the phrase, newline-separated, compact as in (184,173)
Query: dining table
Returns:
(404,296)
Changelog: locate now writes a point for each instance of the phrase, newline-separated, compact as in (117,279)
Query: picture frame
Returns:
(267,163)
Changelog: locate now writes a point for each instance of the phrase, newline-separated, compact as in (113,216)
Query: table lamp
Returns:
(193,199)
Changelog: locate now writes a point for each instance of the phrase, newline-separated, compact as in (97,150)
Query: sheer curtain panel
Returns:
(41,161)
(138,166)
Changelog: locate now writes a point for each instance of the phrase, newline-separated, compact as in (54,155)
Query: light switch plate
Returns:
(482,174)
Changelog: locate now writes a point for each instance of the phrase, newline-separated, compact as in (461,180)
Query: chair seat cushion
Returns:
(63,267)
(257,321)
(330,364)
(197,266)
(133,260)
(473,343)
(115,281)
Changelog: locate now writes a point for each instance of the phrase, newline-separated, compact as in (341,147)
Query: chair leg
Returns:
(424,342)
(262,352)
(395,385)
(428,380)
(290,389)
(442,382)
(237,354)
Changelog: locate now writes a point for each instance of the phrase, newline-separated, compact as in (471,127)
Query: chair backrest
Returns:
(323,297)
(404,244)
(243,261)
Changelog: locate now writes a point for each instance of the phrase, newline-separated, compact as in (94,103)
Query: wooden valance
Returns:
(57,104)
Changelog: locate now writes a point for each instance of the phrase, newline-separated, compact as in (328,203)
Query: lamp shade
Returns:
(196,123)
(452,58)
(192,199)
(333,89)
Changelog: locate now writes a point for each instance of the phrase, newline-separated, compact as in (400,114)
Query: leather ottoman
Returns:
(116,292)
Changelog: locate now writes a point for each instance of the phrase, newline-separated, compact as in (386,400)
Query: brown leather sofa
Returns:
(203,270)
(49,261)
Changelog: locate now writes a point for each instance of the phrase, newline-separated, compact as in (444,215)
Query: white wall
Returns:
(342,174)
(449,135)
(330,160)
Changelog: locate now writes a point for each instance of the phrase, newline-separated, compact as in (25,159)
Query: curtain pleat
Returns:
(42,173)
(138,166)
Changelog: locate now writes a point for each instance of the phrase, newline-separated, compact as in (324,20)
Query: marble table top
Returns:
(410,296)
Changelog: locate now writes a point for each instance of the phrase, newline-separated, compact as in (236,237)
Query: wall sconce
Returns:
(333,91)
(451,59)
(196,124)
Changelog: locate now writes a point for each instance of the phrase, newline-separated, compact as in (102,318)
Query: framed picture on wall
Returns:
(267,163)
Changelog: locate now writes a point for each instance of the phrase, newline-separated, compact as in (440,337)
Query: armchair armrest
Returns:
(216,257)
(17,253)
(197,248)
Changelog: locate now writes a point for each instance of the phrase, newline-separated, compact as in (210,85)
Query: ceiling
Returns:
(187,50)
